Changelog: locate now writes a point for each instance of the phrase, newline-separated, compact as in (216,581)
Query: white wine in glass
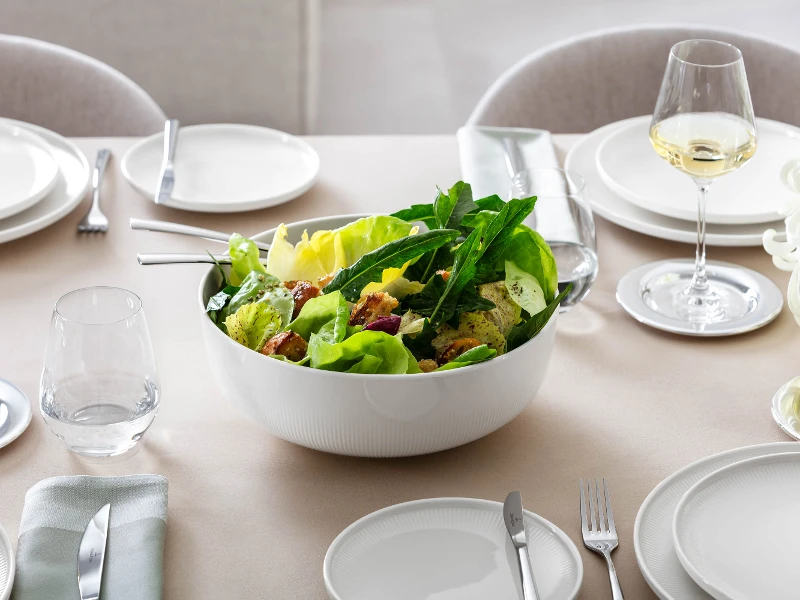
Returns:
(703,125)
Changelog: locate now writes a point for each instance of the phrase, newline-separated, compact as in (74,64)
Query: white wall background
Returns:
(419,66)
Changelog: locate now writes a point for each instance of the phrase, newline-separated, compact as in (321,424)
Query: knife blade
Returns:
(92,554)
(514,518)
(166,181)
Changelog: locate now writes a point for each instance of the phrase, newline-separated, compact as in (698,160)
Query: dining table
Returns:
(251,515)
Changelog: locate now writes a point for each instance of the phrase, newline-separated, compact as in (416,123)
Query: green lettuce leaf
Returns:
(262,287)
(528,251)
(245,258)
(470,357)
(524,289)
(528,329)
(327,251)
(253,324)
(353,279)
(325,316)
(364,352)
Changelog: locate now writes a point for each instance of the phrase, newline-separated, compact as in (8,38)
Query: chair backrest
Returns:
(71,93)
(588,81)
(203,61)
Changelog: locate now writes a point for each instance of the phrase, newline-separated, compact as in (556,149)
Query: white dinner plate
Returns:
(447,549)
(607,204)
(736,531)
(71,183)
(225,168)
(652,532)
(630,167)
(28,170)
(7,566)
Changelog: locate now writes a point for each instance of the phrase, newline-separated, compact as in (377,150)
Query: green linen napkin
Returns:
(54,517)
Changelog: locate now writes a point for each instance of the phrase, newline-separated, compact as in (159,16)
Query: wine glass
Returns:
(703,125)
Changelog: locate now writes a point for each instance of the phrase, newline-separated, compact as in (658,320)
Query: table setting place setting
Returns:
(383,335)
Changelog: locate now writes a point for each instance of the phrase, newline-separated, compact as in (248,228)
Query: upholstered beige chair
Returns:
(592,80)
(71,93)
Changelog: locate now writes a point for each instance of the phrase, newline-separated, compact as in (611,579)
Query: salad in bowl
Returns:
(433,287)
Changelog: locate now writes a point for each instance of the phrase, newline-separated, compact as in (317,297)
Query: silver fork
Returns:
(603,538)
(95,221)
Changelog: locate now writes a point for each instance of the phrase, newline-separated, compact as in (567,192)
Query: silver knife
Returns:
(515,523)
(166,182)
(92,554)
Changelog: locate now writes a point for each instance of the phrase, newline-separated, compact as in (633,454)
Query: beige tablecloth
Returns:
(251,516)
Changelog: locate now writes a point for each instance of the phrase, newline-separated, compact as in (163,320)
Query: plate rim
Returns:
(69,203)
(722,473)
(11,435)
(668,481)
(39,142)
(647,228)
(5,541)
(620,190)
(215,207)
(362,522)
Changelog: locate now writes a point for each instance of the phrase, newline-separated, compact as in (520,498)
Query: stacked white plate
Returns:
(42,178)
(630,185)
(725,527)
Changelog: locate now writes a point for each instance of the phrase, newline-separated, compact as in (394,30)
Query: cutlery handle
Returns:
(616,591)
(97,175)
(174,259)
(166,227)
(529,590)
(170,139)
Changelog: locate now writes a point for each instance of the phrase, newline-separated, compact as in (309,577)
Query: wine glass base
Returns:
(737,300)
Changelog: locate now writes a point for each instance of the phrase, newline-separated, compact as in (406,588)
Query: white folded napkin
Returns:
(54,518)
(483,163)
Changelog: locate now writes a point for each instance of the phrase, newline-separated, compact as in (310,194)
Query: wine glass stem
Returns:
(699,285)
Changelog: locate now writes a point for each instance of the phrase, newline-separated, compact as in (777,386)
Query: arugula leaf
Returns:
(225,281)
(425,301)
(450,208)
(415,212)
(218,301)
(492,202)
(498,236)
(463,272)
(527,329)
(420,344)
(351,280)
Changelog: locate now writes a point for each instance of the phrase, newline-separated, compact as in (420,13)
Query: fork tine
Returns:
(611,526)
(584,518)
(600,503)
(592,506)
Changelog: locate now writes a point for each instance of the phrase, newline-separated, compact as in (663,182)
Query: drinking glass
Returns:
(563,217)
(703,125)
(99,390)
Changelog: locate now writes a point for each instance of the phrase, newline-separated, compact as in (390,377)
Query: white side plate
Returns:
(630,167)
(736,532)
(28,170)
(7,566)
(226,168)
(447,548)
(607,204)
(18,416)
(71,184)
(652,533)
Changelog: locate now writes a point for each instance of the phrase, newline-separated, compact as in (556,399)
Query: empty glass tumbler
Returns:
(99,390)
(564,219)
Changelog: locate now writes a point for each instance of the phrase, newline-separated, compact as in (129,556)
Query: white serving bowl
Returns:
(372,415)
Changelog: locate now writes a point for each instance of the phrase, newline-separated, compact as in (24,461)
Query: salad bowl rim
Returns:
(306,223)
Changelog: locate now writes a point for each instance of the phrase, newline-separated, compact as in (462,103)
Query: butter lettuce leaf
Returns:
(245,258)
(262,287)
(253,324)
(327,251)
(524,289)
(325,316)
(364,352)
(530,252)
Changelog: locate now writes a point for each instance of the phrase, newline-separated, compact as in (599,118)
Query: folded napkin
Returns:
(483,163)
(54,518)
